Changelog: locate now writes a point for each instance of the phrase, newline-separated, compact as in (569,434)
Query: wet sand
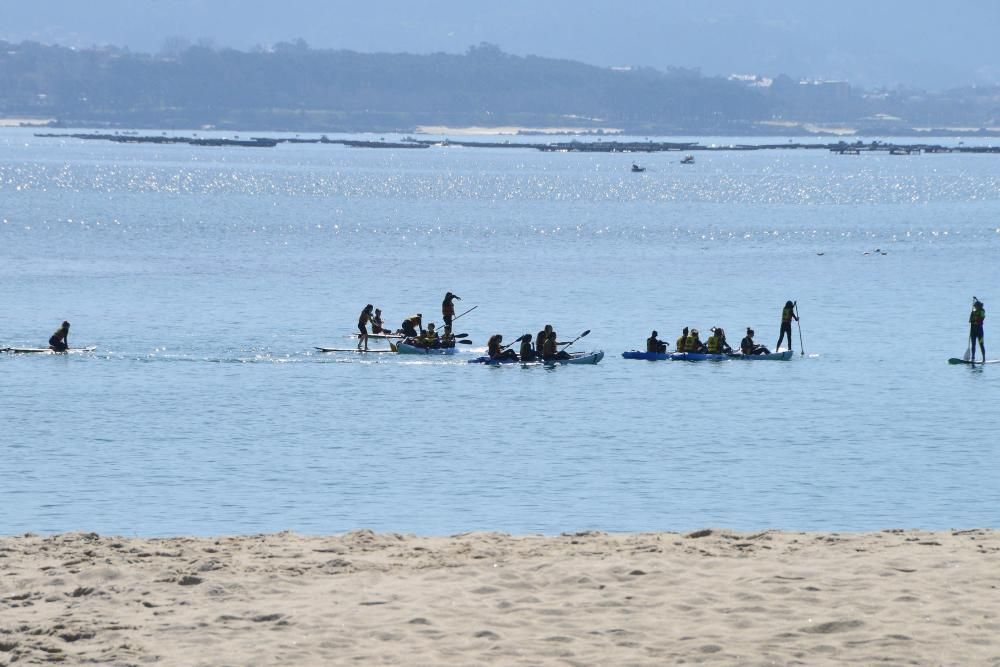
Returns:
(711,597)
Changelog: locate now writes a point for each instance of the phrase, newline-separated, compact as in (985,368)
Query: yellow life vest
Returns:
(679,346)
(713,344)
(692,344)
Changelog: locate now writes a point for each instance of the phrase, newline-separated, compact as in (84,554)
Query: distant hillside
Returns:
(293,87)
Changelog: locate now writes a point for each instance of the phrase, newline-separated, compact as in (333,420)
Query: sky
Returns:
(871,43)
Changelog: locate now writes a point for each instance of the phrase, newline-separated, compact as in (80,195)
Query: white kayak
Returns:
(46,350)
(406,348)
(575,358)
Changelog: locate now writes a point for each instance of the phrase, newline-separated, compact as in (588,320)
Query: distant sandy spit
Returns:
(476,131)
(711,597)
(25,122)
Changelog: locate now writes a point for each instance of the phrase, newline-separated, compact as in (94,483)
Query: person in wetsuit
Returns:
(363,320)
(654,344)
(448,310)
(976,319)
(787,315)
(59,341)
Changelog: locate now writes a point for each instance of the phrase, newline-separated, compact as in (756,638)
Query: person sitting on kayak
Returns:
(551,351)
(787,315)
(654,344)
(377,322)
(681,344)
(748,347)
(429,337)
(411,324)
(976,319)
(496,350)
(527,352)
(59,341)
(363,320)
(716,343)
(448,310)
(693,343)
(542,336)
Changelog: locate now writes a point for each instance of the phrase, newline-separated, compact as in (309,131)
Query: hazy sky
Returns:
(869,42)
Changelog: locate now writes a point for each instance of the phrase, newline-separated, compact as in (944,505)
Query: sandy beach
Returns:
(710,597)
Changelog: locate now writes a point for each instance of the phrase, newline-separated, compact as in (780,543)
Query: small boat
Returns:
(688,159)
(576,358)
(46,350)
(406,348)
(636,169)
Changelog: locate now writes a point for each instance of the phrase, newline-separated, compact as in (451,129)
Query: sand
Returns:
(712,597)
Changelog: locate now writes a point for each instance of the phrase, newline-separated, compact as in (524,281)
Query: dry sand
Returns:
(895,597)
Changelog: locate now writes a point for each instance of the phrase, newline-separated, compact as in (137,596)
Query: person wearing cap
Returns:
(411,324)
(787,315)
(59,341)
(448,310)
(693,342)
(748,347)
(681,344)
(654,344)
(976,319)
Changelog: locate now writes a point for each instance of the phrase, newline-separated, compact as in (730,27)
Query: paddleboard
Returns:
(349,349)
(385,336)
(953,360)
(45,350)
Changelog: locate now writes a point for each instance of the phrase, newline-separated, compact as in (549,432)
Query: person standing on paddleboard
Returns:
(363,320)
(59,341)
(448,311)
(976,319)
(787,315)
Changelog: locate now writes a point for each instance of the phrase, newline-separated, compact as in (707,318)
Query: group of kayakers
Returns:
(690,339)
(412,328)
(545,348)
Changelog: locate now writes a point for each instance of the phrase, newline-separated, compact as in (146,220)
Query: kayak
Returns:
(46,350)
(784,355)
(953,360)
(699,356)
(648,356)
(577,358)
(406,348)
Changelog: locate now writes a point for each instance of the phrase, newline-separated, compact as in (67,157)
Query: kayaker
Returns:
(693,343)
(527,352)
(748,347)
(448,310)
(681,344)
(654,344)
(497,351)
(787,315)
(542,336)
(429,337)
(59,341)
(411,324)
(976,319)
(377,322)
(363,320)
(550,350)
(723,344)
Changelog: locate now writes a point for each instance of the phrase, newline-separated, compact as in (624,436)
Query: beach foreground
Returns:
(712,597)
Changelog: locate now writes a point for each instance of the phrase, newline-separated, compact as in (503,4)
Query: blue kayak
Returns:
(648,356)
(784,355)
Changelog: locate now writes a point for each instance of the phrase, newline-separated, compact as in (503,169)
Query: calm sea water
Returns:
(206,276)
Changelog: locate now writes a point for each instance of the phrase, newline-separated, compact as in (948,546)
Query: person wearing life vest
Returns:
(448,310)
(411,324)
(59,341)
(550,350)
(429,337)
(527,352)
(363,320)
(976,319)
(723,344)
(681,344)
(497,352)
(693,342)
(748,347)
(542,336)
(654,344)
(712,344)
(787,315)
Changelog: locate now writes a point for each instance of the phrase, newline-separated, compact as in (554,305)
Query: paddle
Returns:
(576,339)
(968,349)
(798,323)
(465,313)
(515,341)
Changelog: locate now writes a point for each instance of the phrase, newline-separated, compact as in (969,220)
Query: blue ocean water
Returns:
(206,276)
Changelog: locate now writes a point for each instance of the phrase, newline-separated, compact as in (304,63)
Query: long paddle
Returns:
(465,313)
(577,338)
(968,349)
(798,323)
(515,341)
